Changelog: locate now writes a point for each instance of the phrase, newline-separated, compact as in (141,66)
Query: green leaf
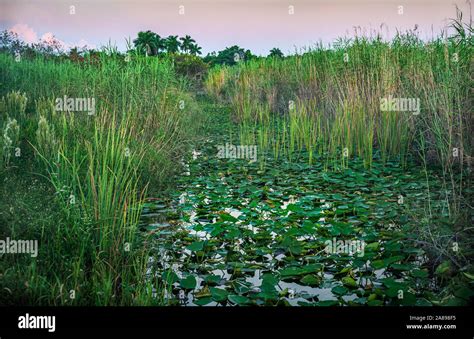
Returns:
(423,302)
(339,290)
(310,280)
(374,246)
(443,268)
(294,208)
(297,271)
(202,293)
(327,303)
(212,279)
(196,246)
(392,292)
(188,283)
(202,301)
(464,293)
(401,267)
(268,283)
(453,301)
(393,259)
(419,273)
(312,268)
(375,303)
(291,272)
(469,275)
(228,217)
(378,264)
(408,299)
(238,299)
(218,294)
(391,283)
(169,277)
(348,281)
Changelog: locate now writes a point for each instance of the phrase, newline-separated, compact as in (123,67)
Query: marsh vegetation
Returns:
(366,146)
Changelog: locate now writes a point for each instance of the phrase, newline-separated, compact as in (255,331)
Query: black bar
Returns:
(89,320)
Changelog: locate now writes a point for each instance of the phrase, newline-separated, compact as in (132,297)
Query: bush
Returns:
(190,66)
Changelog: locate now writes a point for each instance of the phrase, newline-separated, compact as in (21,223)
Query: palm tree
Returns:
(148,43)
(172,44)
(186,43)
(276,52)
(195,49)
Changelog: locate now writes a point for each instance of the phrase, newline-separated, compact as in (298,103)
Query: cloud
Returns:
(25,32)
(82,43)
(49,37)
(28,35)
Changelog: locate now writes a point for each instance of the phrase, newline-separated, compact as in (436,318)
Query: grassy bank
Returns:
(76,181)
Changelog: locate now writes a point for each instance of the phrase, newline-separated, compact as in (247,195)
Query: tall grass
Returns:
(336,93)
(100,168)
(328,101)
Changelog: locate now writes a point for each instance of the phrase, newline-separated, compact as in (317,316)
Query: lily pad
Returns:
(350,282)
(188,283)
(238,299)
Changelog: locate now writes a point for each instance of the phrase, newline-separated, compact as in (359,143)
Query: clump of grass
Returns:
(14,103)
(215,81)
(8,141)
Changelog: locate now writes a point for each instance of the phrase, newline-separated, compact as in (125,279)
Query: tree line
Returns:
(146,43)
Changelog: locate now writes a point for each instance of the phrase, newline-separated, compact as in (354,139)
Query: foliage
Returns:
(276,52)
(229,56)
(190,66)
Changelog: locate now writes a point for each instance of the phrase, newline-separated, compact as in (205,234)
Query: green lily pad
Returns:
(238,299)
(310,280)
(327,303)
(228,217)
(375,302)
(203,301)
(218,294)
(419,273)
(188,283)
(339,290)
(196,246)
(350,282)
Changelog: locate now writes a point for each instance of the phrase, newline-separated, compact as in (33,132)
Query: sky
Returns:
(258,25)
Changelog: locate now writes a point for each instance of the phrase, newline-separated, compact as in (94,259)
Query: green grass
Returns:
(92,173)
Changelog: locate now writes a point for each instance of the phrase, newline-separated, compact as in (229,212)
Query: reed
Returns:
(337,92)
(98,170)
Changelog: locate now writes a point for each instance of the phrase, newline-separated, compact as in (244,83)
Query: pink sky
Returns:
(258,25)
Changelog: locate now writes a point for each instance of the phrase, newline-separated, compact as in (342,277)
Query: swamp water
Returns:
(237,234)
